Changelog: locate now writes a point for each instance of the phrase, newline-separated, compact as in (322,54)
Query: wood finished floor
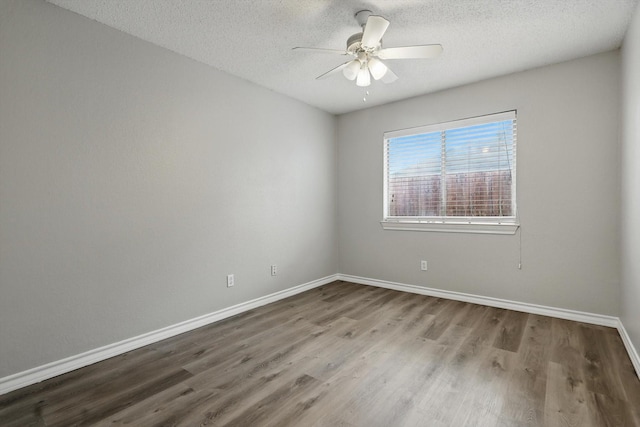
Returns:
(352,355)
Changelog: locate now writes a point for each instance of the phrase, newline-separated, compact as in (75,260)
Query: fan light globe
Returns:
(364,79)
(352,69)
(377,68)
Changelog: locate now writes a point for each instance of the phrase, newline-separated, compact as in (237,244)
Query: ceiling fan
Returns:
(367,49)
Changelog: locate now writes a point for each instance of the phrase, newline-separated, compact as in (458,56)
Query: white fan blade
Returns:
(322,50)
(373,31)
(389,77)
(333,71)
(411,52)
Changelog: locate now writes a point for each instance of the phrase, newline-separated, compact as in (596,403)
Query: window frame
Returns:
(452,224)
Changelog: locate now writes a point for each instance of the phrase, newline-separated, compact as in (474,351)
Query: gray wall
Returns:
(630,293)
(132,180)
(568,191)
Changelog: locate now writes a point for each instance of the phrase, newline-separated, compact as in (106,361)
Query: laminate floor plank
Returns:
(253,321)
(423,314)
(458,377)
(487,327)
(340,308)
(566,398)
(98,407)
(338,291)
(73,383)
(248,347)
(474,314)
(260,320)
(352,355)
(445,317)
(601,374)
(524,404)
(257,385)
(166,408)
(378,345)
(618,356)
(511,331)
(427,371)
(607,411)
(241,391)
(419,365)
(233,368)
(273,402)
(113,379)
(367,392)
(328,360)
(493,375)
(375,305)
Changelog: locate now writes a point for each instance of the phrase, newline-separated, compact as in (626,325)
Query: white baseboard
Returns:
(631,350)
(53,369)
(562,313)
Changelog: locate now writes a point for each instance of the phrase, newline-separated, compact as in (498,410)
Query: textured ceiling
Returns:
(252,39)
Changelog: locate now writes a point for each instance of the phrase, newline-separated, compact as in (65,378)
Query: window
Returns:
(458,176)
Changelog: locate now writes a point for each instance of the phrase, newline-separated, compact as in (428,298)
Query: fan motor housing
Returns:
(354,42)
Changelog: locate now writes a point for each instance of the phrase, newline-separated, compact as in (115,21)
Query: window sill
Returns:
(452,227)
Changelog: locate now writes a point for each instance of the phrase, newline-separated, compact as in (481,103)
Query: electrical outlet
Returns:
(230,280)
(423,265)
(274,270)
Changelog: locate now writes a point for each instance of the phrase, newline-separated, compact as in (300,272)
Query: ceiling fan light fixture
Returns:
(367,53)
(377,68)
(352,69)
(364,78)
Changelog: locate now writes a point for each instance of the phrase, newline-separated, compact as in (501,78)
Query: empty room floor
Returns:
(353,355)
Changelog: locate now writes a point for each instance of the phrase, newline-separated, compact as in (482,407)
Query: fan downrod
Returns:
(362,16)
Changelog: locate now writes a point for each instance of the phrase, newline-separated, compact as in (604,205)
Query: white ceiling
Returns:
(252,39)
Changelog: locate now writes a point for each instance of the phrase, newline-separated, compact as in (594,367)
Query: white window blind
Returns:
(461,171)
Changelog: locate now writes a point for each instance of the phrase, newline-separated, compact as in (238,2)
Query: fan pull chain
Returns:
(364,98)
